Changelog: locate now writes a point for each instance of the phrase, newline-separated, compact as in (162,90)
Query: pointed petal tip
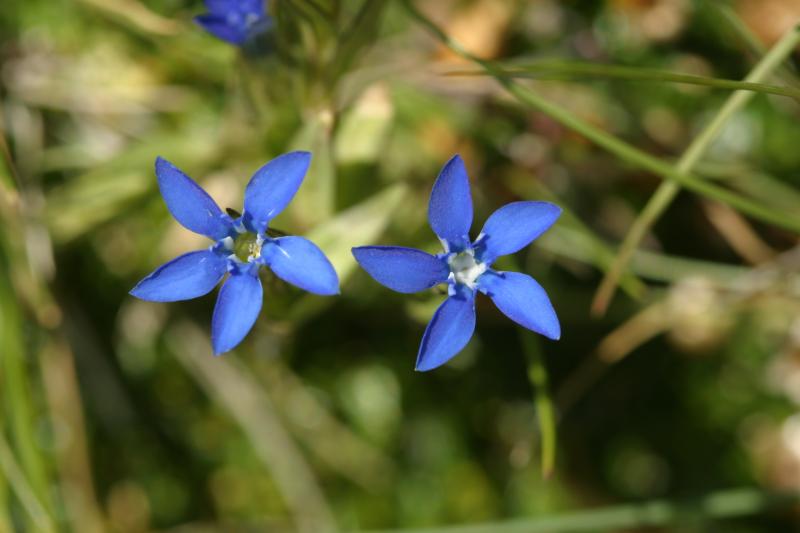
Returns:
(136,292)
(554,336)
(219,351)
(160,163)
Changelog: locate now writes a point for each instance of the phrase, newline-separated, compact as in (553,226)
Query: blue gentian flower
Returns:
(466,266)
(235,21)
(241,246)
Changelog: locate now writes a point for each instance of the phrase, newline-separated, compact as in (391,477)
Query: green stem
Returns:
(656,513)
(668,190)
(543,70)
(726,14)
(537,375)
(5,511)
(17,394)
(16,398)
(24,492)
(612,144)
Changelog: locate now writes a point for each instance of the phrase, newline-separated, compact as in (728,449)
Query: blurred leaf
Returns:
(111,188)
(14,475)
(360,225)
(315,201)
(362,31)
(364,128)
(134,13)
(235,390)
(717,505)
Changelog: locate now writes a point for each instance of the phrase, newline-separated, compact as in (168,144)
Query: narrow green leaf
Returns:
(13,474)
(637,516)
(667,191)
(616,146)
(566,70)
(29,480)
(545,414)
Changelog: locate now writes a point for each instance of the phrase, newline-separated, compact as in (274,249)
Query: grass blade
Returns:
(537,375)
(717,505)
(16,479)
(566,70)
(667,191)
(616,146)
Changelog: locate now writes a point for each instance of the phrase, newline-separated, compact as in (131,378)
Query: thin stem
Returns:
(16,385)
(667,191)
(613,144)
(543,70)
(5,503)
(751,41)
(655,513)
(537,375)
(24,492)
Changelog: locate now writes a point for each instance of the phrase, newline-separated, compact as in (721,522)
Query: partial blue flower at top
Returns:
(466,266)
(242,245)
(235,21)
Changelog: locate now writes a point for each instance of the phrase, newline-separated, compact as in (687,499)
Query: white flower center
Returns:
(465,269)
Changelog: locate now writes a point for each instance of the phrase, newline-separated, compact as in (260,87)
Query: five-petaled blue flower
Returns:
(235,21)
(466,266)
(242,245)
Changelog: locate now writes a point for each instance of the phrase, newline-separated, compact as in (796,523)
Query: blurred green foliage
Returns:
(114,416)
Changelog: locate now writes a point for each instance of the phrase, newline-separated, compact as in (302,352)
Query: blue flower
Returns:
(466,266)
(235,21)
(241,246)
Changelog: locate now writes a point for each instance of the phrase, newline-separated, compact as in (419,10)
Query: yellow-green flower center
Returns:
(247,246)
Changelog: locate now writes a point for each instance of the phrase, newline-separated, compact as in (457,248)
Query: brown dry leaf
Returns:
(479,27)
(654,20)
(769,19)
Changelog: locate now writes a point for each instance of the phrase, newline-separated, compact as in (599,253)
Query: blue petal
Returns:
(514,226)
(402,269)
(236,311)
(272,187)
(185,277)
(253,6)
(450,207)
(522,300)
(223,7)
(189,203)
(449,331)
(298,261)
(218,26)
